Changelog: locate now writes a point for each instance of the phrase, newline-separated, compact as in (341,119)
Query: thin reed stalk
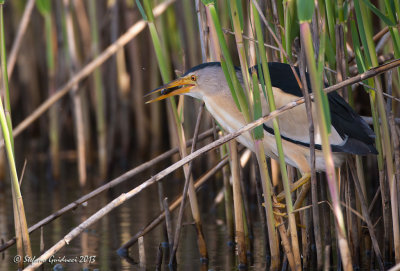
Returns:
(44,7)
(237,204)
(228,197)
(101,126)
(19,37)
(314,191)
(76,97)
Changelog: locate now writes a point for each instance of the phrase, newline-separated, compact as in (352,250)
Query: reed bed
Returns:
(108,54)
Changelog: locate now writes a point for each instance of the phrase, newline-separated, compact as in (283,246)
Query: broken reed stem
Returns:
(124,177)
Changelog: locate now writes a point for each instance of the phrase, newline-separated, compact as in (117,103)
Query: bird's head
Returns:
(197,82)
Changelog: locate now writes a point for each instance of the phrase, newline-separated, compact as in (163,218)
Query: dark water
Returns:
(43,197)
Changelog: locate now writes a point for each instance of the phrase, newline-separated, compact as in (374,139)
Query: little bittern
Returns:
(349,132)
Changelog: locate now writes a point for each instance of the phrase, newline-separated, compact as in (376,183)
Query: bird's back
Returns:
(357,137)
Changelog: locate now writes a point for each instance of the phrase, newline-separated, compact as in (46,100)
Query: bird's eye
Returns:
(194,78)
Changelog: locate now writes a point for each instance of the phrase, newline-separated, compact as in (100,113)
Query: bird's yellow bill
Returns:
(179,86)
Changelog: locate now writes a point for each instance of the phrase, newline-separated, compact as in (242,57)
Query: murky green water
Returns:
(43,197)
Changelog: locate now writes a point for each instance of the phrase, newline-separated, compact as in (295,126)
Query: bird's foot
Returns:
(278,205)
(279,213)
(303,180)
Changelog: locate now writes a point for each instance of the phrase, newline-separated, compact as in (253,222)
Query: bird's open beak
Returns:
(176,87)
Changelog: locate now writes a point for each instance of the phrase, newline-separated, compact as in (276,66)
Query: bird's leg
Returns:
(303,180)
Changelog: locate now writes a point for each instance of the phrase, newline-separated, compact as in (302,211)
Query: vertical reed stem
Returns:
(99,93)
(237,203)
(77,99)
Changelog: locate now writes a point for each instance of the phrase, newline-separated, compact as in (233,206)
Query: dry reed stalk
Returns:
(51,60)
(18,233)
(77,98)
(101,126)
(326,225)
(352,225)
(237,203)
(305,220)
(123,88)
(215,50)
(84,26)
(134,56)
(155,110)
(228,199)
(191,40)
(168,223)
(201,22)
(142,253)
(159,257)
(83,48)
(20,34)
(246,215)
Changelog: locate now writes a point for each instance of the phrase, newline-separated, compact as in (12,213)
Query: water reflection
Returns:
(42,198)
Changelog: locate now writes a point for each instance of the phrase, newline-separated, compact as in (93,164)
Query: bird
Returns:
(350,134)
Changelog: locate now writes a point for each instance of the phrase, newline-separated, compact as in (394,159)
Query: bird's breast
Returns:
(225,112)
